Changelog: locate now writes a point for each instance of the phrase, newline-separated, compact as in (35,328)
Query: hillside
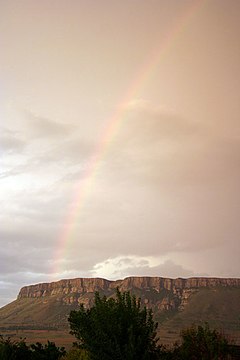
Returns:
(176,303)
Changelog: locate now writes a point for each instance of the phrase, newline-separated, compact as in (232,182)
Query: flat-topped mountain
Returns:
(175,302)
(89,285)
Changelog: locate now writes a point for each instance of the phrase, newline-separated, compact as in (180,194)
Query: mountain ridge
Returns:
(176,303)
(85,285)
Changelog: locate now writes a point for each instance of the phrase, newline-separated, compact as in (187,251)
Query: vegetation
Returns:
(200,343)
(76,354)
(19,350)
(116,328)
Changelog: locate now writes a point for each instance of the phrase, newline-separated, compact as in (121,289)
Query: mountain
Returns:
(176,303)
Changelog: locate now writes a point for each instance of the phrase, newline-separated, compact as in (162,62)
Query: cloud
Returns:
(12,172)
(70,151)
(43,148)
(10,141)
(159,148)
(38,126)
(121,267)
(25,251)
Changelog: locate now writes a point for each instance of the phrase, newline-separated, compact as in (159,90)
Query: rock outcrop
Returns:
(163,294)
(90,285)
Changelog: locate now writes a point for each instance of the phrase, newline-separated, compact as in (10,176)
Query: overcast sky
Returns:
(156,195)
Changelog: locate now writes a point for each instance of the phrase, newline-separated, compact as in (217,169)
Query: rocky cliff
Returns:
(157,292)
(89,285)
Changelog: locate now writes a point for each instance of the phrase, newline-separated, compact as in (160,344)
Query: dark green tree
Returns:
(116,329)
(202,343)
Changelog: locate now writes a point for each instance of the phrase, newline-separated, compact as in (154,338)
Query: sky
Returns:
(119,140)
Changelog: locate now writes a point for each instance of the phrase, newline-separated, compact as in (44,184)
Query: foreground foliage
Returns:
(19,350)
(76,354)
(200,343)
(116,328)
(203,343)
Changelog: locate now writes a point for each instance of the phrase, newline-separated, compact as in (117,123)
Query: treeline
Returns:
(199,343)
(19,350)
(120,329)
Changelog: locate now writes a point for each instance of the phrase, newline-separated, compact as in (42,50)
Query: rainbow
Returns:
(144,75)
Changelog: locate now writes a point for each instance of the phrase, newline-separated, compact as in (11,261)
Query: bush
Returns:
(202,343)
(76,354)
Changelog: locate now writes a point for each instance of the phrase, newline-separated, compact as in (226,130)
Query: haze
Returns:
(162,196)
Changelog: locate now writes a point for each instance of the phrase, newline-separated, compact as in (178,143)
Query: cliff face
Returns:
(64,287)
(90,285)
(156,292)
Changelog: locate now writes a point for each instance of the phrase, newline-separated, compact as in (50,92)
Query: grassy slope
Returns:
(220,307)
(35,312)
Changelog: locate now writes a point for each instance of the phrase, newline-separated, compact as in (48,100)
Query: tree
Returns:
(200,342)
(116,328)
